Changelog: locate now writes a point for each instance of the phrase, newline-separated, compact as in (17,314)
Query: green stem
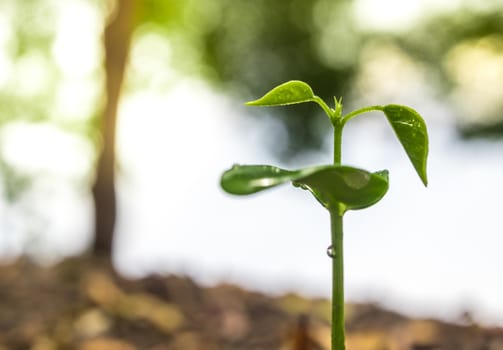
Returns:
(361,111)
(338,142)
(338,337)
(324,106)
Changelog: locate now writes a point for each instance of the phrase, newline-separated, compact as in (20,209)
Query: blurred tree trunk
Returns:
(117,38)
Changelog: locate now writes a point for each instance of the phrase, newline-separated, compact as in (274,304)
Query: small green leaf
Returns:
(248,179)
(291,92)
(331,185)
(410,129)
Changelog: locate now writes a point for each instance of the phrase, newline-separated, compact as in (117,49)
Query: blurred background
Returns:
(117,119)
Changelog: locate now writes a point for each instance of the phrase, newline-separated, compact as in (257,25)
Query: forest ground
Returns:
(81,303)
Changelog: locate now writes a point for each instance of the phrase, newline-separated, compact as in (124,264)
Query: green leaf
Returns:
(332,185)
(352,187)
(291,92)
(410,129)
(248,179)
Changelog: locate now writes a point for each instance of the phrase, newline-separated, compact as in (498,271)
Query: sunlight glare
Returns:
(76,50)
(150,64)
(39,148)
(386,14)
(77,54)
(381,60)
(477,68)
(395,15)
(76,100)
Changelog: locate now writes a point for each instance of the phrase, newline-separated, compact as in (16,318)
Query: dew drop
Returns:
(330,251)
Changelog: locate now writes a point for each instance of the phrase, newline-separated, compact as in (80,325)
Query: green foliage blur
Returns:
(242,48)
(245,47)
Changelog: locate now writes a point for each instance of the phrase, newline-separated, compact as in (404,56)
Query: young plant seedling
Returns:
(337,187)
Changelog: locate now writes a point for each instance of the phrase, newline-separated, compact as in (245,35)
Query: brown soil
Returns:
(82,304)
